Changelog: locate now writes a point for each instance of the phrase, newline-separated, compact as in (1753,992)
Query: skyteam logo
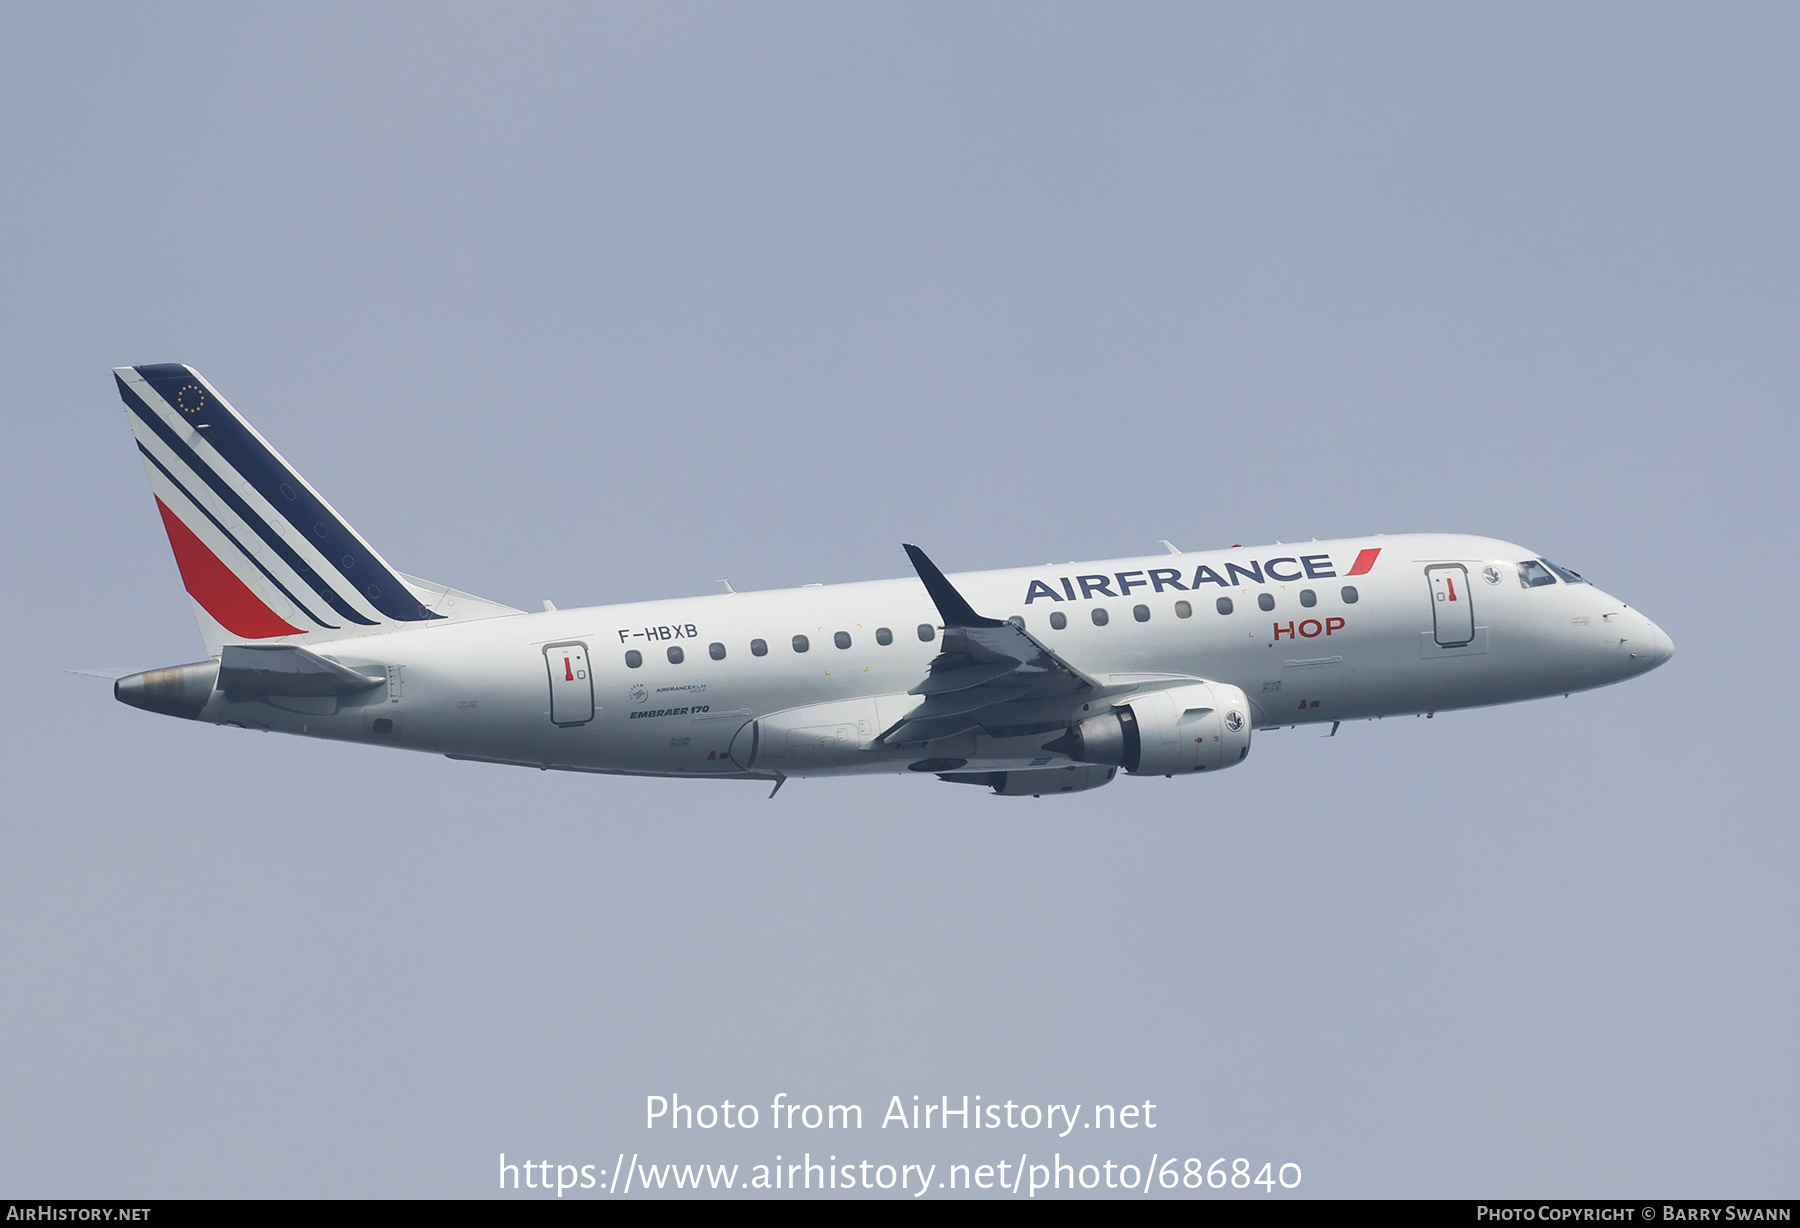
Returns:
(1234,721)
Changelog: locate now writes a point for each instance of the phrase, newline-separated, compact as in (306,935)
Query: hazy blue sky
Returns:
(599,303)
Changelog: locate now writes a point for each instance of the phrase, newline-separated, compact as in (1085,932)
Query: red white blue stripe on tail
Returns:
(261,552)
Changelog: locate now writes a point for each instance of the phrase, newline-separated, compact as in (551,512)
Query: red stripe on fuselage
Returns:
(213,585)
(1364,561)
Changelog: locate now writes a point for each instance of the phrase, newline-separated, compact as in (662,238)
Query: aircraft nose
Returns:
(1659,647)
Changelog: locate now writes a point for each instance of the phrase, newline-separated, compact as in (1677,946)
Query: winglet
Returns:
(956,610)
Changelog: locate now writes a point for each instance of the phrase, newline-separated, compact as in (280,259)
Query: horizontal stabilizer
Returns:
(454,604)
(288,670)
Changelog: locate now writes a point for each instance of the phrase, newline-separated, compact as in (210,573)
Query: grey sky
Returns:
(600,303)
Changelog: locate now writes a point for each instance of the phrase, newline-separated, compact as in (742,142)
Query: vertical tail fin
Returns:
(263,555)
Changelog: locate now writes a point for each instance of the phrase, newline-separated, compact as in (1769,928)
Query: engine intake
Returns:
(1196,728)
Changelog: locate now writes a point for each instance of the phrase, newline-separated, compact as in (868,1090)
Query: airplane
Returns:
(1027,681)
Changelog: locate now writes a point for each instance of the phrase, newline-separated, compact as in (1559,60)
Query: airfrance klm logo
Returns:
(1284,570)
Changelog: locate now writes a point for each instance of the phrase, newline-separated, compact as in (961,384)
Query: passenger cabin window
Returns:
(1058,620)
(1348,593)
(1265,601)
(759,648)
(675,654)
(1183,610)
(883,636)
(841,639)
(1308,598)
(801,643)
(716,651)
(1223,605)
(1141,613)
(927,632)
(1100,617)
(633,659)
(1569,577)
(1533,574)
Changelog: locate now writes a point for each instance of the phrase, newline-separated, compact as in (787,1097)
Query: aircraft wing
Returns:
(989,674)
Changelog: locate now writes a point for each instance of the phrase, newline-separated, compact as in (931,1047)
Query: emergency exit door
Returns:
(1452,616)
(571,684)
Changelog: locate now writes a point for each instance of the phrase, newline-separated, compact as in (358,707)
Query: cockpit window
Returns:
(1569,577)
(1533,574)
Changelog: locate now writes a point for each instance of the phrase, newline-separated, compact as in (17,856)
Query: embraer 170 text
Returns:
(1030,681)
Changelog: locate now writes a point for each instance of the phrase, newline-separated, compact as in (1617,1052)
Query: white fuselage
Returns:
(506,689)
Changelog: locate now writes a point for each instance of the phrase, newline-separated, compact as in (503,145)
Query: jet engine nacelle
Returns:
(1196,728)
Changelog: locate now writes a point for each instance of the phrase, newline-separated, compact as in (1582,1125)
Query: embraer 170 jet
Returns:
(1029,681)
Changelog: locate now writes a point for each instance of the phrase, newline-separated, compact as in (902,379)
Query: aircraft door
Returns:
(1452,616)
(571,684)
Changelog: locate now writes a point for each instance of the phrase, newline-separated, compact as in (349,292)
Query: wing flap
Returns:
(962,677)
(911,730)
